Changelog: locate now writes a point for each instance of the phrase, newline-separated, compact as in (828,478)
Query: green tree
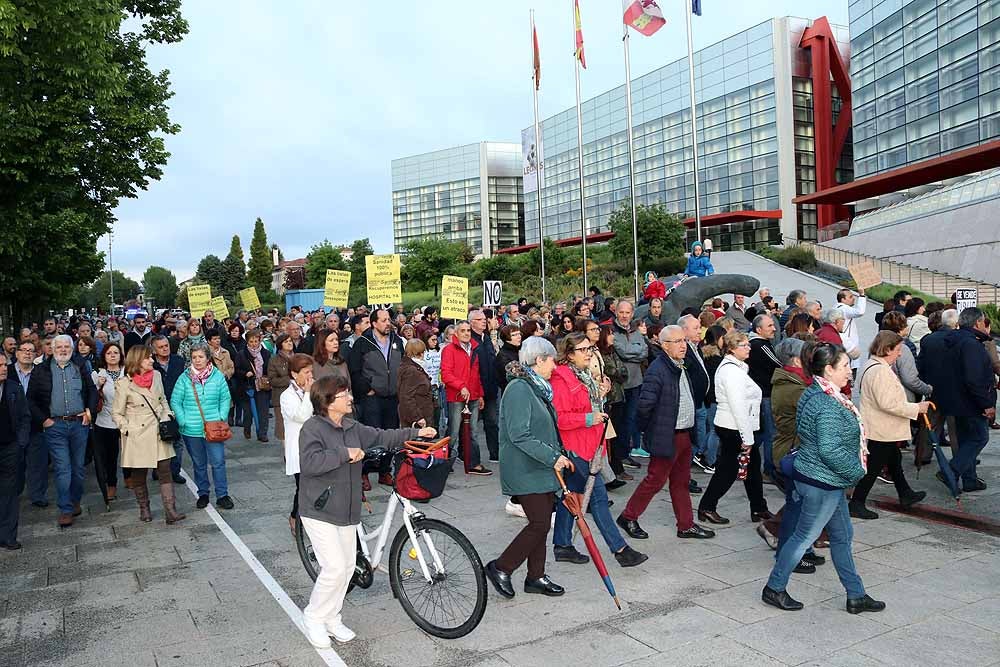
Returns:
(211,272)
(181,300)
(82,127)
(260,267)
(234,271)
(430,258)
(160,286)
(556,259)
(497,267)
(359,250)
(661,233)
(321,257)
(98,295)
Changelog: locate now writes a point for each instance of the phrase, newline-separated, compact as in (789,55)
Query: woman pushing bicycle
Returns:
(331,443)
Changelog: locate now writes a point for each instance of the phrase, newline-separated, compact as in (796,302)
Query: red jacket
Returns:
(459,370)
(572,404)
(829,334)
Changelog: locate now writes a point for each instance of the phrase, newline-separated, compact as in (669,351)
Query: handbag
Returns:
(215,431)
(263,383)
(169,431)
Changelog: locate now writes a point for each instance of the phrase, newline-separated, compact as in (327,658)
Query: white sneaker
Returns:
(515,509)
(340,632)
(316,633)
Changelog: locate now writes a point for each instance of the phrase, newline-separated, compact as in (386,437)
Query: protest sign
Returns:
(865,275)
(454,298)
(382,272)
(338,285)
(249,298)
(199,299)
(218,304)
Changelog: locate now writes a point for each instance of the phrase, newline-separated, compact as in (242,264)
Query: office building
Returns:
(442,194)
(756,146)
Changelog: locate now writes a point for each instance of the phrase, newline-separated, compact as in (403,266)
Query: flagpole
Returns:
(694,123)
(631,170)
(579,143)
(538,156)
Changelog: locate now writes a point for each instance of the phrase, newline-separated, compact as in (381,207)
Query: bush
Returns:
(795,257)
(992,311)
(885,291)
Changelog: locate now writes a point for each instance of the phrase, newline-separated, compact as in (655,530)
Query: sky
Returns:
(292,110)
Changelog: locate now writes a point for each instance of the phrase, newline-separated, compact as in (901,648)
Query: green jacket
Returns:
(215,401)
(786,390)
(829,440)
(529,441)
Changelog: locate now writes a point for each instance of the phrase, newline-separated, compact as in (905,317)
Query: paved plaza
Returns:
(113,591)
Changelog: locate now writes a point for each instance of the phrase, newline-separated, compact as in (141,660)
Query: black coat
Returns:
(132,338)
(698,376)
(171,373)
(762,362)
(369,370)
(19,415)
(956,364)
(658,406)
(487,365)
(507,354)
(40,391)
(243,364)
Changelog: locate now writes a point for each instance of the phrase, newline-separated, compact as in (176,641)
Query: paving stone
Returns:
(921,644)
(687,624)
(239,649)
(737,567)
(598,646)
(985,614)
(742,603)
(25,627)
(966,580)
(917,555)
(709,655)
(845,658)
(906,603)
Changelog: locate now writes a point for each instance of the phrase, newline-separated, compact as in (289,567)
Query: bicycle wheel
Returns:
(305,548)
(452,604)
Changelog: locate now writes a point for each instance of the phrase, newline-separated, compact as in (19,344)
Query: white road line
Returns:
(328,655)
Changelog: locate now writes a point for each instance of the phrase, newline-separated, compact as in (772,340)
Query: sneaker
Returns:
(640,453)
(629,462)
(629,557)
(316,633)
(202,502)
(340,632)
(225,502)
(514,509)
(804,567)
(481,471)
(884,479)
(702,463)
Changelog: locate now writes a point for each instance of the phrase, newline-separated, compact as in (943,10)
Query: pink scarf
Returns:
(201,377)
(847,404)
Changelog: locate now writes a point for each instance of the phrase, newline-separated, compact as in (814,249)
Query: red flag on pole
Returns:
(536,58)
(643,15)
(579,35)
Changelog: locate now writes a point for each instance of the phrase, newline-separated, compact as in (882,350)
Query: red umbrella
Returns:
(572,502)
(466,435)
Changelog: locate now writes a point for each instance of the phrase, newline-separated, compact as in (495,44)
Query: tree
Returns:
(430,258)
(160,286)
(497,267)
(235,249)
(661,233)
(211,272)
(82,127)
(234,271)
(260,267)
(98,295)
(359,250)
(320,258)
(556,259)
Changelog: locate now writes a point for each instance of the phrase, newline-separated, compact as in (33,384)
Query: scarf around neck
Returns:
(540,383)
(593,391)
(201,377)
(144,380)
(847,404)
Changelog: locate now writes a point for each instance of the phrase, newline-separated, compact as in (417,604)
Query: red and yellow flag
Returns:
(579,35)
(536,58)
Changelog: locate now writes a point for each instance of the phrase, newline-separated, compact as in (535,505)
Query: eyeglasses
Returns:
(743,344)
(343,394)
(679,340)
(588,349)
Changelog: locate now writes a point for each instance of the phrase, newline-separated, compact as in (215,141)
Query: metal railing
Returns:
(941,285)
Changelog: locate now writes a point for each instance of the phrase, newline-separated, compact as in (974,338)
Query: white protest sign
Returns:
(491,293)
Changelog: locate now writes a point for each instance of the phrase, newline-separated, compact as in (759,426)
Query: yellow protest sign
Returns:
(383,279)
(249,298)
(199,299)
(454,298)
(218,305)
(338,285)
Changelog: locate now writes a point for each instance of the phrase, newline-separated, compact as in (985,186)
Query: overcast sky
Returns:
(293,110)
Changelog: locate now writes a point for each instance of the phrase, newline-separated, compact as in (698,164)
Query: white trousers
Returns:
(336,549)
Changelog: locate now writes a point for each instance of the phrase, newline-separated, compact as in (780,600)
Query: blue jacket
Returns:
(829,440)
(956,364)
(19,414)
(699,265)
(215,401)
(658,402)
(487,366)
(171,373)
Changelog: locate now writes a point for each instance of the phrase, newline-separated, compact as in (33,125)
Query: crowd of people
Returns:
(740,391)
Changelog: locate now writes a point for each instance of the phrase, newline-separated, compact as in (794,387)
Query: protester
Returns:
(463,386)
(329,443)
(886,413)
(916,318)
(737,314)
(852,306)
(140,404)
(617,374)
(666,416)
(15,434)
(486,351)
(631,346)
(221,358)
(416,396)
(654,314)
(762,362)
(432,366)
(296,408)
(712,351)
(208,322)
(698,263)
(278,376)
(253,386)
(63,399)
(202,395)
(35,458)
(796,299)
(697,373)
(374,364)
(139,334)
(510,337)
(530,450)
(194,338)
(107,436)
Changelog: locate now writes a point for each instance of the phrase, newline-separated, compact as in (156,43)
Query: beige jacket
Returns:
(224,362)
(884,409)
(141,446)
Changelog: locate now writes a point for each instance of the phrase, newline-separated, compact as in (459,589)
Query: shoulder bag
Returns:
(169,430)
(215,431)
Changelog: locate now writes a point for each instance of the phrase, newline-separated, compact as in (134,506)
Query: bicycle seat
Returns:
(378,460)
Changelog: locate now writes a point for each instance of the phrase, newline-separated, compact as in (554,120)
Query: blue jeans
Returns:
(34,469)
(765,436)
(708,439)
(973,434)
(699,432)
(178,460)
(455,429)
(203,454)
(67,443)
(819,508)
(789,514)
(576,481)
(633,439)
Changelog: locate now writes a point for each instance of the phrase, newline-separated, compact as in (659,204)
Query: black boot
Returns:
(859,511)
(867,603)
(780,599)
(631,526)
(909,498)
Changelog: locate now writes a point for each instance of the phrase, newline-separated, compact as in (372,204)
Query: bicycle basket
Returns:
(421,476)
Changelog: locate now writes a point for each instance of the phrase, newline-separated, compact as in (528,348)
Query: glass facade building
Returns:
(926,79)
(442,194)
(755,145)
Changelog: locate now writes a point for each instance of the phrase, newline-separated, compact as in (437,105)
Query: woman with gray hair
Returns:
(529,453)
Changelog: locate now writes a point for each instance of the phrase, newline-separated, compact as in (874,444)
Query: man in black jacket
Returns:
(763,361)
(487,354)
(171,367)
(374,364)
(665,416)
(139,334)
(62,396)
(15,429)
(698,374)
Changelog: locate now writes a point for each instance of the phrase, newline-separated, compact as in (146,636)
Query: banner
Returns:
(338,285)
(383,279)
(199,299)
(531,161)
(491,293)
(218,305)
(454,298)
(249,298)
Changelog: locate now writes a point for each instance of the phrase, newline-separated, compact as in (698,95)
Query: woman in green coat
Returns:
(529,453)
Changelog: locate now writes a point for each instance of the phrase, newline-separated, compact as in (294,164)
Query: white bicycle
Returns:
(434,571)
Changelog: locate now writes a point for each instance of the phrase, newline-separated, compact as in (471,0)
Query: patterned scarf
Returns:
(201,376)
(258,360)
(847,404)
(541,383)
(586,377)
(113,375)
